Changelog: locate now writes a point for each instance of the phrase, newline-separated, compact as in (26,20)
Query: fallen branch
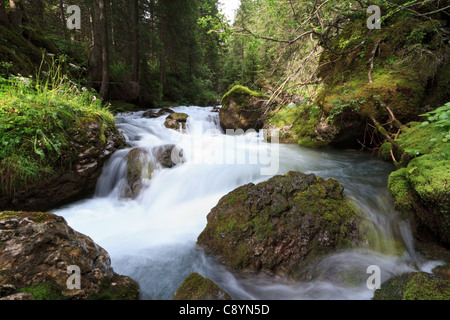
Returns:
(372,58)
(385,134)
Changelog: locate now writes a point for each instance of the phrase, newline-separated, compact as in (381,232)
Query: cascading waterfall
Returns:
(152,237)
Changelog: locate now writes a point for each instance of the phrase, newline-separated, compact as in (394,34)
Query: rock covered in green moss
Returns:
(141,163)
(421,285)
(420,188)
(421,193)
(242,109)
(296,123)
(415,286)
(281,225)
(196,287)
(36,251)
(176,121)
(139,167)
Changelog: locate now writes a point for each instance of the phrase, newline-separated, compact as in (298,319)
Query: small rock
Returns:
(196,287)
(176,121)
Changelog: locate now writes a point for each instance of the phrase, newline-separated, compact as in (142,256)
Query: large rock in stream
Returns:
(242,109)
(37,250)
(282,225)
(142,162)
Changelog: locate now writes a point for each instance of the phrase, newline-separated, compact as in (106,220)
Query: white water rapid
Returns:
(152,238)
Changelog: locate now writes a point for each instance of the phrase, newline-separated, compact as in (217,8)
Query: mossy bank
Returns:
(55,139)
(419,186)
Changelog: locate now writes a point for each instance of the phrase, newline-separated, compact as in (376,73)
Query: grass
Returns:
(35,117)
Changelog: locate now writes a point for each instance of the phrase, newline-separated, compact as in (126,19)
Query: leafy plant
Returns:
(35,116)
(339,106)
(440,118)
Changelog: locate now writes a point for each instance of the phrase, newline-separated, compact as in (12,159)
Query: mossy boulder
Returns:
(243,109)
(299,124)
(421,193)
(196,287)
(176,121)
(37,249)
(140,166)
(420,186)
(282,225)
(142,162)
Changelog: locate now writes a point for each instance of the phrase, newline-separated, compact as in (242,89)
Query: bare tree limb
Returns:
(372,58)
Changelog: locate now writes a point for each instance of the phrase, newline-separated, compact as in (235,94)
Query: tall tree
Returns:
(3,14)
(105,53)
(136,50)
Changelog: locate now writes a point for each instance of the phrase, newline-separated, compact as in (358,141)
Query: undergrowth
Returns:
(35,115)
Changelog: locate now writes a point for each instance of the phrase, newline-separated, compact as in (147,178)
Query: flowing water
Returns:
(152,237)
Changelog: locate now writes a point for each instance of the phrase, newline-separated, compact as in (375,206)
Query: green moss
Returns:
(45,291)
(399,76)
(401,190)
(420,192)
(236,197)
(231,225)
(429,177)
(424,139)
(309,142)
(393,288)
(385,151)
(240,95)
(287,115)
(261,226)
(302,120)
(38,217)
(179,117)
(426,287)
(111,289)
(7,215)
(196,287)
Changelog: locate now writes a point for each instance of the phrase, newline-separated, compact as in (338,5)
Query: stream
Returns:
(152,238)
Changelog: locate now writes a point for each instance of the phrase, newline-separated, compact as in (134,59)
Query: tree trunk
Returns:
(128,54)
(3,16)
(105,54)
(15,14)
(63,20)
(95,65)
(135,69)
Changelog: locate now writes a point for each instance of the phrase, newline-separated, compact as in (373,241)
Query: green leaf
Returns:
(413,151)
(40,152)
